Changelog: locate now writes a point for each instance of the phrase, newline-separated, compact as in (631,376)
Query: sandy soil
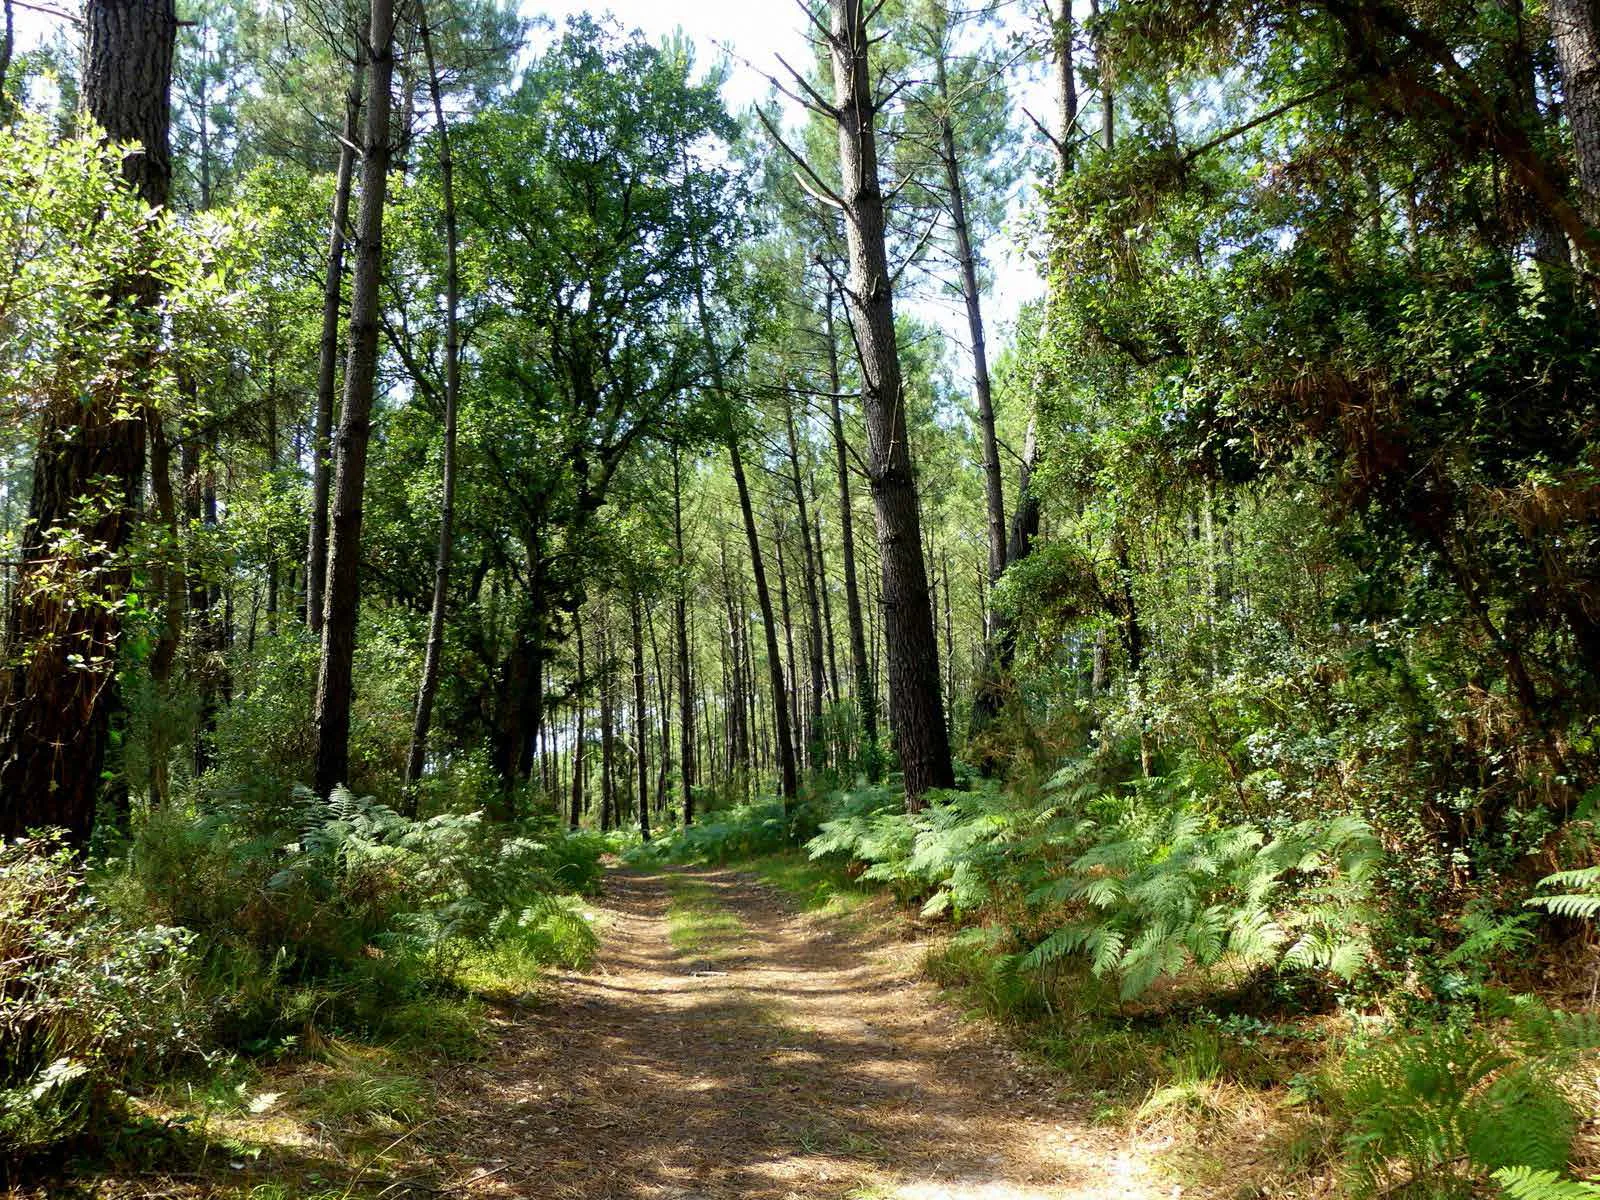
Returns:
(807,1060)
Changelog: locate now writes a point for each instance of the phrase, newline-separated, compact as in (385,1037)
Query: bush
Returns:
(347,908)
(1448,1105)
(87,1000)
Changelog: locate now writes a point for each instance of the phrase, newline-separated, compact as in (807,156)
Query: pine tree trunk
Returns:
(790,672)
(664,701)
(343,599)
(328,354)
(993,485)
(57,697)
(576,813)
(823,590)
(685,680)
(641,717)
(1576,27)
(861,664)
(429,687)
(788,777)
(608,731)
(815,680)
(915,709)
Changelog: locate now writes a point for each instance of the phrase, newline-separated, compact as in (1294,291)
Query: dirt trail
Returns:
(806,1061)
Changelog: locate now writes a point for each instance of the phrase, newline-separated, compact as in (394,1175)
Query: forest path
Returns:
(728,1047)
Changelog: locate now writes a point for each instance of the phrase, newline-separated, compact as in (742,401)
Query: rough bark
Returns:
(342,601)
(916,711)
(59,687)
(428,689)
(328,353)
(1575,25)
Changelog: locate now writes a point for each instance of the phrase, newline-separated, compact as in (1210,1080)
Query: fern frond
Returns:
(1527,1183)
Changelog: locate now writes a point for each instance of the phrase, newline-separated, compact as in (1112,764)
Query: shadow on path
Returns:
(802,1061)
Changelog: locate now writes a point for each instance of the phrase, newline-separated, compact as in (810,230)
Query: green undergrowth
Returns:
(1264,996)
(246,937)
(698,923)
(813,885)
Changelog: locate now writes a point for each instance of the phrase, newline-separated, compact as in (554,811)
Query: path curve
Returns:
(806,1061)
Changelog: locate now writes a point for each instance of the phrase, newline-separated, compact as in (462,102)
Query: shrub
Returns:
(86,999)
(1447,1105)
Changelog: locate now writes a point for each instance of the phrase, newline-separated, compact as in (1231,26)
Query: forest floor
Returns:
(734,1040)
(726,1046)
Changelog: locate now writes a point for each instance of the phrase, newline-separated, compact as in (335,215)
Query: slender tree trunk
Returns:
(1108,91)
(993,485)
(788,777)
(641,722)
(790,671)
(685,679)
(663,700)
(57,698)
(813,602)
(429,686)
(173,591)
(343,599)
(272,466)
(915,709)
(328,354)
(823,590)
(8,44)
(608,730)
(576,813)
(861,664)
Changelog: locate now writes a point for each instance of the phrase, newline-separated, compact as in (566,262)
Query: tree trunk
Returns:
(1108,94)
(822,588)
(1576,26)
(791,673)
(915,709)
(861,665)
(993,486)
(685,682)
(576,813)
(173,589)
(813,602)
(641,730)
(328,354)
(343,599)
(88,475)
(429,686)
(608,731)
(663,700)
